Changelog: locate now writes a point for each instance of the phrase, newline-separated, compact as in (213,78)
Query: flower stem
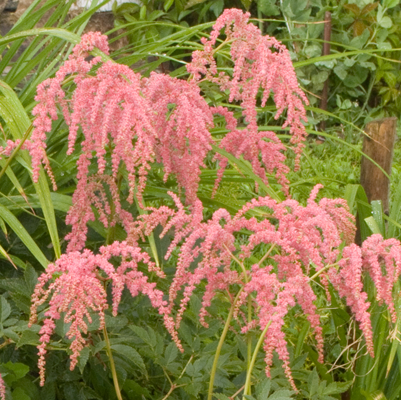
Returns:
(247,389)
(112,365)
(220,345)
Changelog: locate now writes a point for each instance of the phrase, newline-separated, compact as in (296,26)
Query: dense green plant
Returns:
(148,365)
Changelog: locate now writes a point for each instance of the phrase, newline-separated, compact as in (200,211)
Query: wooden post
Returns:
(326,51)
(378,145)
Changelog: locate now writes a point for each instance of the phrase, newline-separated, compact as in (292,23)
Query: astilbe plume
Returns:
(74,285)
(2,389)
(298,237)
(260,62)
(382,260)
(130,122)
(134,121)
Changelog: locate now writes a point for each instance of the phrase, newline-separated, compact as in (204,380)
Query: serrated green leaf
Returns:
(131,354)
(28,337)
(5,309)
(9,333)
(20,394)
(171,353)
(83,358)
(31,278)
(144,335)
(268,7)
(337,387)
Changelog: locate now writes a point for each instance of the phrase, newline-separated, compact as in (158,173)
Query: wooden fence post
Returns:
(379,146)
(326,51)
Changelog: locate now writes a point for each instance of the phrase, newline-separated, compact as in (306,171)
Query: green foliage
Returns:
(364,83)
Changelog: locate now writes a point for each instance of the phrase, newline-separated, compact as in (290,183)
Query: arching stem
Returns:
(220,345)
(247,389)
(112,365)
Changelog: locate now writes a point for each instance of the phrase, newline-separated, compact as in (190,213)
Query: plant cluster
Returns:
(129,122)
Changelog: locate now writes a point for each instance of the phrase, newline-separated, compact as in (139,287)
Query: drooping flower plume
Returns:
(297,236)
(260,62)
(78,290)
(122,123)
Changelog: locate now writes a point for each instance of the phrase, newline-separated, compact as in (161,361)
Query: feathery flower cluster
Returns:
(78,290)
(298,238)
(130,122)
(2,389)
(133,121)
(259,62)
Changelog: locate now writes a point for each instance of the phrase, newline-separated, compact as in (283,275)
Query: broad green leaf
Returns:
(268,7)
(373,226)
(376,395)
(390,3)
(18,371)
(24,236)
(83,358)
(5,309)
(28,337)
(31,278)
(171,353)
(377,212)
(130,353)
(142,333)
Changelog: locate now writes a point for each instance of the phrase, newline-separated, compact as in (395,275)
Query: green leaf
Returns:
(313,383)
(19,394)
(16,112)
(263,389)
(390,3)
(376,395)
(337,388)
(246,169)
(168,4)
(301,339)
(171,353)
(246,3)
(134,390)
(28,337)
(386,22)
(340,71)
(131,354)
(281,394)
(377,212)
(268,7)
(83,358)
(31,278)
(148,338)
(16,371)
(5,309)
(217,7)
(372,224)
(21,232)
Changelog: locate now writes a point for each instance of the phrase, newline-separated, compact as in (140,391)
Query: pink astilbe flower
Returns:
(78,291)
(260,62)
(92,192)
(2,389)
(298,237)
(183,137)
(382,260)
(348,282)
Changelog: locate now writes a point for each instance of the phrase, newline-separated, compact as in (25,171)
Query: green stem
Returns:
(220,345)
(112,365)
(247,389)
(246,279)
